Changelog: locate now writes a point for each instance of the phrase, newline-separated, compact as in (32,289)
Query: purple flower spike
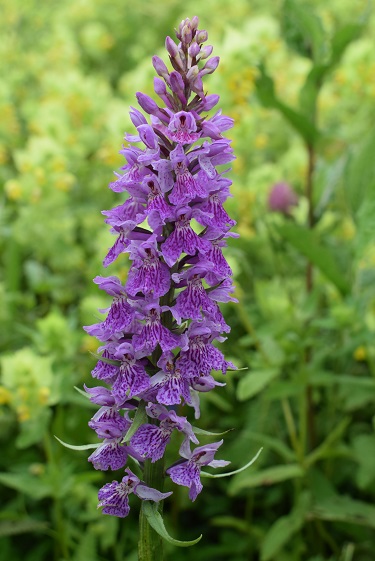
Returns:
(162,328)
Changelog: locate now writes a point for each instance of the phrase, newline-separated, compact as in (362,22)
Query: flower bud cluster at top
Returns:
(157,338)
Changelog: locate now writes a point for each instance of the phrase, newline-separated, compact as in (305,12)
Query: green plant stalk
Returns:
(62,547)
(309,414)
(150,544)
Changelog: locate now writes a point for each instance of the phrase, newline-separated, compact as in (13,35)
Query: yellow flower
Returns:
(13,189)
(360,354)
(43,395)
(5,395)
(23,413)
(261,140)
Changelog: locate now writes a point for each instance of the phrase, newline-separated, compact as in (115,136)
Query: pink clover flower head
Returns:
(282,198)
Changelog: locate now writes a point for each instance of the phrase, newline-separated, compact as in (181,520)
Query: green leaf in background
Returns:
(364,451)
(268,476)
(28,525)
(345,509)
(342,39)
(306,242)
(315,78)
(254,382)
(265,91)
(155,520)
(359,176)
(271,443)
(284,528)
(326,446)
(32,486)
(303,30)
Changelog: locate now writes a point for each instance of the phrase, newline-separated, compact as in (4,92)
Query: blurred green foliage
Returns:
(299,79)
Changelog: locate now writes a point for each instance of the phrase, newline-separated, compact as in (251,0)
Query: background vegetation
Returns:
(299,79)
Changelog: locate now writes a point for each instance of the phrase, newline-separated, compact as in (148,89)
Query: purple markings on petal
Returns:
(186,188)
(182,128)
(183,240)
(154,333)
(148,273)
(110,455)
(114,497)
(187,473)
(171,384)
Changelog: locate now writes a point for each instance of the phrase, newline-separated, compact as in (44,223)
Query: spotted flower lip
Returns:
(162,326)
(114,497)
(187,472)
(182,128)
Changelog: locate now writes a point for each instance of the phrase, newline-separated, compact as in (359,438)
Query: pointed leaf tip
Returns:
(216,475)
(81,447)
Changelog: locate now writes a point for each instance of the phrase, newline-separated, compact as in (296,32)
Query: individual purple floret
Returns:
(150,441)
(187,472)
(114,496)
(163,321)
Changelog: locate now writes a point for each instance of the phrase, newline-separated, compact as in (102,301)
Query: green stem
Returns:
(150,545)
(310,410)
(61,549)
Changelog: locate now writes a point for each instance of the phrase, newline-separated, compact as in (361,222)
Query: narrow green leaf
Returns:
(14,527)
(31,485)
(268,476)
(342,39)
(345,509)
(271,443)
(82,392)
(155,520)
(197,430)
(325,446)
(303,30)
(231,522)
(140,418)
(359,178)
(254,382)
(265,91)
(78,447)
(284,528)
(306,242)
(217,475)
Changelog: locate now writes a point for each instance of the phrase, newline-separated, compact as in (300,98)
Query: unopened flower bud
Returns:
(194,50)
(136,117)
(210,102)
(171,47)
(201,36)
(147,103)
(206,51)
(177,83)
(193,73)
(186,34)
(159,86)
(210,66)
(194,23)
(160,67)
